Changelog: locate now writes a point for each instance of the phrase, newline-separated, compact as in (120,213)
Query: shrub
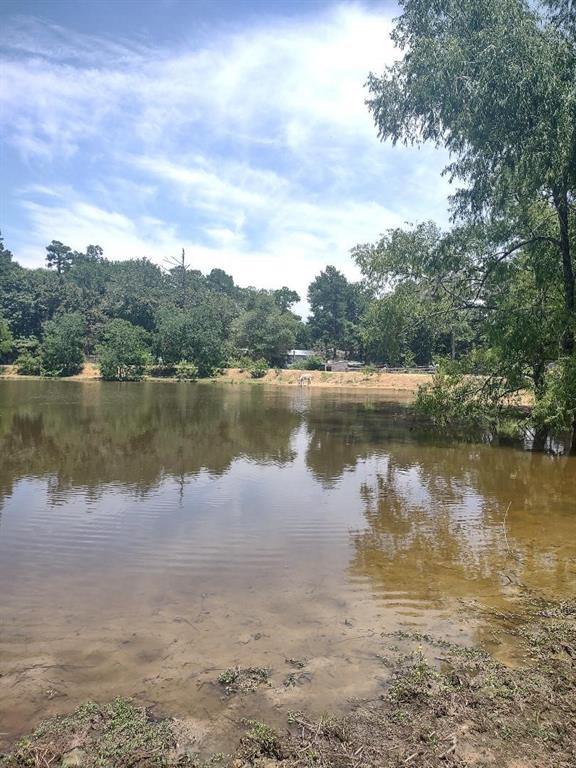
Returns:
(62,349)
(28,361)
(259,368)
(123,354)
(6,338)
(186,371)
(452,398)
(160,370)
(312,363)
(409,359)
(243,363)
(557,408)
(28,364)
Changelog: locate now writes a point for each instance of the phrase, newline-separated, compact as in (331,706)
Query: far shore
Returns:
(380,380)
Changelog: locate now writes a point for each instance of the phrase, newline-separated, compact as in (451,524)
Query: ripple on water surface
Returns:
(154,532)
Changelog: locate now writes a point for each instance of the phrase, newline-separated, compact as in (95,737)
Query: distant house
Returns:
(297,355)
(338,366)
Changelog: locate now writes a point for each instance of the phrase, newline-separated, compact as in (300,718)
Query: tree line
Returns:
(133,314)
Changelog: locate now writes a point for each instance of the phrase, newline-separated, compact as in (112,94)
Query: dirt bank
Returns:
(393,382)
(441,705)
(397,382)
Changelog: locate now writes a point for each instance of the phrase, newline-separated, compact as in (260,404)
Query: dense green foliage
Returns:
(60,353)
(186,371)
(336,306)
(6,338)
(258,369)
(62,348)
(57,315)
(28,361)
(123,353)
(267,329)
(502,281)
(311,363)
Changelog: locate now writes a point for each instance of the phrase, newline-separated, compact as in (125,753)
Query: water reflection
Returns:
(89,435)
(152,532)
(467,521)
(433,512)
(339,439)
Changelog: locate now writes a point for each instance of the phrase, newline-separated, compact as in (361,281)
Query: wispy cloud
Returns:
(296,243)
(253,148)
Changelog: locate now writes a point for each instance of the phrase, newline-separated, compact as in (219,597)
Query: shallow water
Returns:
(154,534)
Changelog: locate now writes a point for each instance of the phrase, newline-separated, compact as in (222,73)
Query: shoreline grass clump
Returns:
(113,735)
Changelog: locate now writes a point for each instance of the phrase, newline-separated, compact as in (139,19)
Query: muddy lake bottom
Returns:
(154,535)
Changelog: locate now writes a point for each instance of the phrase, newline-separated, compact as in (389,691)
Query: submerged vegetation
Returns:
(237,680)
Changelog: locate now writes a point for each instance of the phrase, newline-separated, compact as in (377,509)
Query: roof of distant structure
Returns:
(300,352)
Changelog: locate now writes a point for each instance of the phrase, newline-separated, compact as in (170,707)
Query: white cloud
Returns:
(204,187)
(32,37)
(295,249)
(279,84)
(254,150)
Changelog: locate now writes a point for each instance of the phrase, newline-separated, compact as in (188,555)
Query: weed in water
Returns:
(243,680)
(297,663)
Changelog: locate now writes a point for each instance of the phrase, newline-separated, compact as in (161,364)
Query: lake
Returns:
(154,534)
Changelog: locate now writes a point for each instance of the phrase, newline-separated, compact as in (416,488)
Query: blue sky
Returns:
(234,129)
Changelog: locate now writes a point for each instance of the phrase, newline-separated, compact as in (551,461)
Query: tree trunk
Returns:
(561,205)
(540,438)
(540,432)
(562,209)
(453,343)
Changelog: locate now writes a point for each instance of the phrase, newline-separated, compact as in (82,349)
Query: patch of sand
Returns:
(399,382)
(89,371)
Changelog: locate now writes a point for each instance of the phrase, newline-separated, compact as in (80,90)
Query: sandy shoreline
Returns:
(397,382)
(382,381)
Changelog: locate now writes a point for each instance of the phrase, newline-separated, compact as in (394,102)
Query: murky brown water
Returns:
(152,535)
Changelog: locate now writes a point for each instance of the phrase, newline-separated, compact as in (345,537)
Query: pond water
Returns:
(154,534)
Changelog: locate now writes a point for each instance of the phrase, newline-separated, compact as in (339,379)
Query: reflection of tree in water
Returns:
(341,435)
(135,435)
(435,523)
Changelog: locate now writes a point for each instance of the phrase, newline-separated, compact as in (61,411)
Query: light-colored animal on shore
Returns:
(306,378)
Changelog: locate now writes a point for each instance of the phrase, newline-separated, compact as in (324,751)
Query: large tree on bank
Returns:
(494,82)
